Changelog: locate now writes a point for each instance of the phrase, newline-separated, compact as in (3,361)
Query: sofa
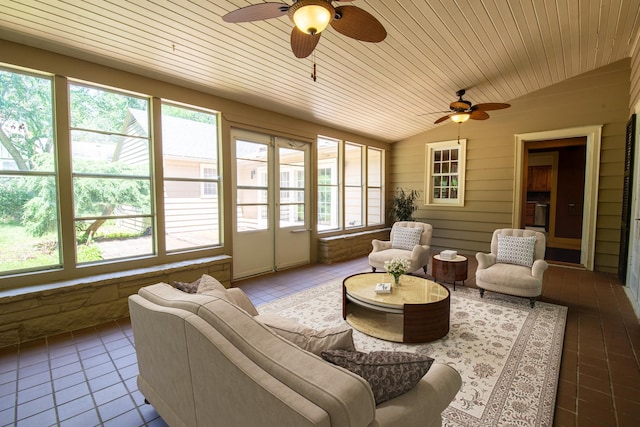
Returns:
(206,360)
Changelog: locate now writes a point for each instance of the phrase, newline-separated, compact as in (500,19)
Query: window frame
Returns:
(341,186)
(430,149)
(204,181)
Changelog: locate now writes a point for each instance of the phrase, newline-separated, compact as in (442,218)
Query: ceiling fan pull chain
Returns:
(314,75)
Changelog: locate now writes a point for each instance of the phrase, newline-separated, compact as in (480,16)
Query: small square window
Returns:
(444,180)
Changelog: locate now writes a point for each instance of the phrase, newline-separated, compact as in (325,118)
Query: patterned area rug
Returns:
(507,353)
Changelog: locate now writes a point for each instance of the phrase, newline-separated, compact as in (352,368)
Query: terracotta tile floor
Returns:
(88,377)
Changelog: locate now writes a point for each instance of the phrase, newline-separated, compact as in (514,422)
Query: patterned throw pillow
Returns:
(187,287)
(406,238)
(389,373)
(516,250)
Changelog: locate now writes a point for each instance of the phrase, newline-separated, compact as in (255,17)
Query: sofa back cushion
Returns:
(167,296)
(345,396)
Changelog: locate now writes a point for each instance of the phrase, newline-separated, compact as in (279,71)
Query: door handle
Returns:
(301,230)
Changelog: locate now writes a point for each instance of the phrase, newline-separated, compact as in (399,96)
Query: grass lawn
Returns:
(19,250)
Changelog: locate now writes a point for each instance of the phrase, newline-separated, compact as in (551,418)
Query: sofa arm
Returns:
(239,298)
(538,268)
(485,260)
(423,404)
(380,245)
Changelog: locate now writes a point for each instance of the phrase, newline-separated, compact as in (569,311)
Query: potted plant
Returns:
(404,204)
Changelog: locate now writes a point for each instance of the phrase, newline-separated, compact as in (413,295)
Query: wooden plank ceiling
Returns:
(498,50)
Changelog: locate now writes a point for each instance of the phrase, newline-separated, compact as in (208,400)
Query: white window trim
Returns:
(430,147)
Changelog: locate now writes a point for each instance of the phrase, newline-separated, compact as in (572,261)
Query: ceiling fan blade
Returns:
(302,44)
(256,12)
(491,106)
(441,119)
(478,115)
(358,24)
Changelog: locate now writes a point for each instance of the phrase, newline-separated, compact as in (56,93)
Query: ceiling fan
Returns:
(462,110)
(311,17)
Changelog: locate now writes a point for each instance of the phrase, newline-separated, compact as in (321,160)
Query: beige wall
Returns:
(600,97)
(234,114)
(635,75)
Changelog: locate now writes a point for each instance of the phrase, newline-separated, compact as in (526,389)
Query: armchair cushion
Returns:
(516,250)
(406,238)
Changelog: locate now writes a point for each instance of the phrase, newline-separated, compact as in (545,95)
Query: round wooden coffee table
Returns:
(415,311)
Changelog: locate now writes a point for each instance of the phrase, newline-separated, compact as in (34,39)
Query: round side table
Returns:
(449,270)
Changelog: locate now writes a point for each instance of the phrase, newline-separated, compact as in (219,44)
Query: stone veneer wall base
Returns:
(347,246)
(28,314)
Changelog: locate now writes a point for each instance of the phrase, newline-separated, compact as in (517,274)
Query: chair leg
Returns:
(424,268)
(481,293)
(532,301)
(373,269)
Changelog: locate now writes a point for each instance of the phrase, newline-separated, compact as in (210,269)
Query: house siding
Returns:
(600,97)
(635,75)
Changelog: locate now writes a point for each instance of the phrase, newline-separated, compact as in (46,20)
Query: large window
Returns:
(353,185)
(445,167)
(375,178)
(328,185)
(111,169)
(350,185)
(191,177)
(29,211)
(89,199)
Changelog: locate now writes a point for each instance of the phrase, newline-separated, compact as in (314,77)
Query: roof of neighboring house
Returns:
(180,137)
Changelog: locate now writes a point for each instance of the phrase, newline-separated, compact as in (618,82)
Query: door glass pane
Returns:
(292,215)
(252,182)
(252,217)
(292,185)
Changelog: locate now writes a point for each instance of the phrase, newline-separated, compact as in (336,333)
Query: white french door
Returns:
(271,226)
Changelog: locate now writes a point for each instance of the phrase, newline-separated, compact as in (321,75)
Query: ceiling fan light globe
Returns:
(460,117)
(311,16)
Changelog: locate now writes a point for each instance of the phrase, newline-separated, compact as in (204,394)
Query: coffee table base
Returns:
(419,323)
(386,326)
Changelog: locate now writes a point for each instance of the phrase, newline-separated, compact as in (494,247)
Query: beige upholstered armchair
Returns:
(409,240)
(515,265)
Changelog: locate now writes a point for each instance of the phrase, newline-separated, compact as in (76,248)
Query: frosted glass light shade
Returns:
(313,18)
(460,117)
